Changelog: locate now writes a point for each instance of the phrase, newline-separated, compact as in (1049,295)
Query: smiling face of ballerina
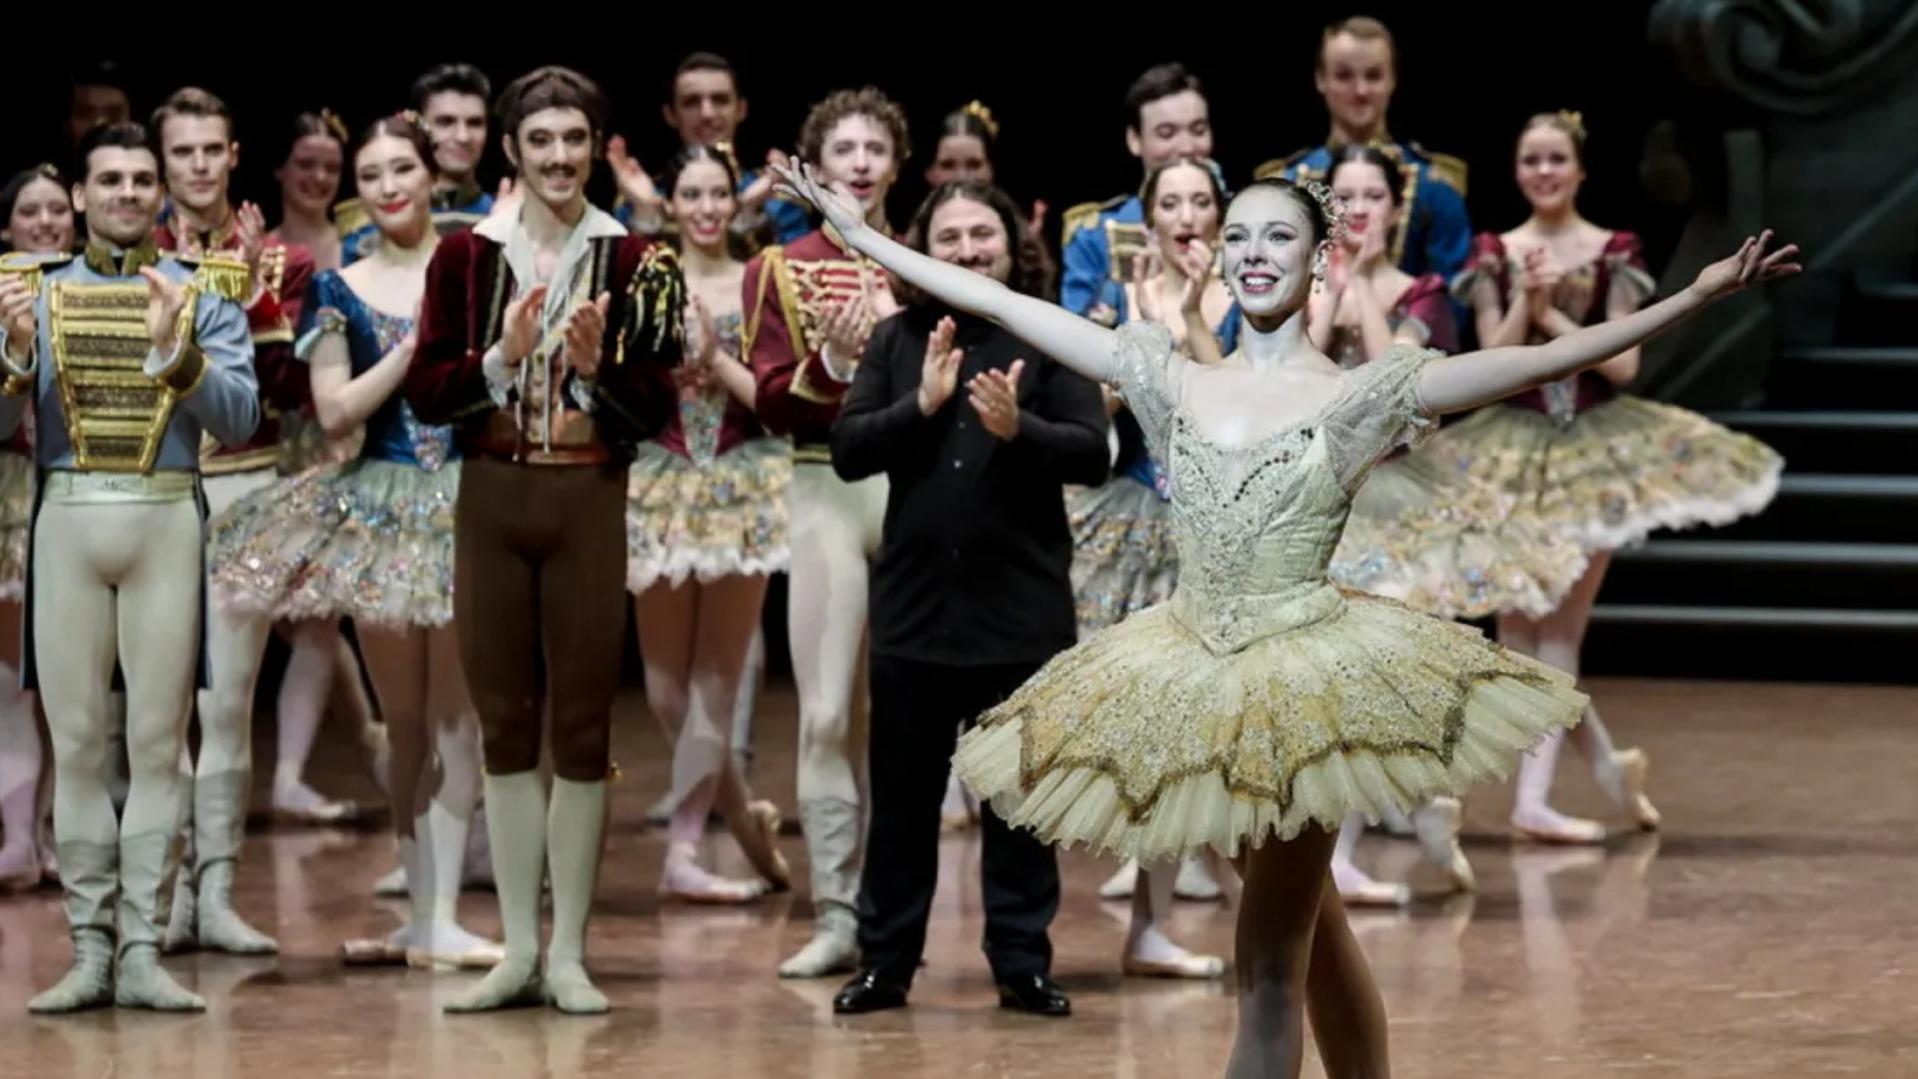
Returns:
(1274,236)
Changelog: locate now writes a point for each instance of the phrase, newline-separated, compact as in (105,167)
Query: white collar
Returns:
(595,223)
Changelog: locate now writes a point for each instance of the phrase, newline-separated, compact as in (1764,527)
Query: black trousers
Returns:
(916,712)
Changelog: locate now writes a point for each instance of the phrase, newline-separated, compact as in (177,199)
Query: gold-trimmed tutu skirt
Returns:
(725,518)
(1152,739)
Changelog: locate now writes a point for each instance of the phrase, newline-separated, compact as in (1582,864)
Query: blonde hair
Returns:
(1365,28)
(1570,124)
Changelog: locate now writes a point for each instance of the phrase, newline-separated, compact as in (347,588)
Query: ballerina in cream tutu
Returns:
(1261,704)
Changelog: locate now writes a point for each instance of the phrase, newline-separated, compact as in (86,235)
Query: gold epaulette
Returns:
(1084,216)
(224,277)
(29,267)
(1444,168)
(350,217)
(772,262)
(1279,166)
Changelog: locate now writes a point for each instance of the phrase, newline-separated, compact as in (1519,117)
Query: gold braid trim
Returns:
(656,300)
(771,268)
(189,370)
(224,277)
(29,269)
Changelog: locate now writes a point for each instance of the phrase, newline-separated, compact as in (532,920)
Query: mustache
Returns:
(568,171)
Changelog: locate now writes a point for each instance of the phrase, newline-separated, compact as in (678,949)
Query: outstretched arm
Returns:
(1475,378)
(1084,346)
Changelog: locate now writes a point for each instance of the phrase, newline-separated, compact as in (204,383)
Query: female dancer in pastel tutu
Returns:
(1260,705)
(372,540)
(1578,457)
(705,527)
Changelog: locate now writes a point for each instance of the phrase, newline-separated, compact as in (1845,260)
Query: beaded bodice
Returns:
(1257,524)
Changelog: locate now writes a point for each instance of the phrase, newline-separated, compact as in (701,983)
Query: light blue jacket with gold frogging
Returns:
(133,411)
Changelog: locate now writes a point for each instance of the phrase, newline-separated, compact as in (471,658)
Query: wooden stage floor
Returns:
(1770,930)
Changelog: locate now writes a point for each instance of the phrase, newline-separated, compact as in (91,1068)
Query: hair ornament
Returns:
(978,111)
(334,125)
(1330,205)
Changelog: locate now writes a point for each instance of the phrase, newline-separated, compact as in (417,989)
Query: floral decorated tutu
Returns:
(370,540)
(726,517)
(1442,542)
(1616,472)
(16,518)
(1123,557)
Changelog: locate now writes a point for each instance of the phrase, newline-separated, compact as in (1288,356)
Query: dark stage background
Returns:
(1470,75)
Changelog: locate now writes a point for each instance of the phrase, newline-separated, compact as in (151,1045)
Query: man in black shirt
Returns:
(970,594)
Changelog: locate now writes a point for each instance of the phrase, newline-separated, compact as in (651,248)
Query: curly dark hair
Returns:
(867,101)
(1031,274)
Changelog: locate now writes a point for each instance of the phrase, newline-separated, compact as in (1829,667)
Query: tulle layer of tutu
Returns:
(369,540)
(1144,742)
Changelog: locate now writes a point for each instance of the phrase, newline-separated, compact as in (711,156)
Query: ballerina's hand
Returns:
(1747,266)
(1371,249)
(702,336)
(1195,262)
(800,183)
(1540,280)
(1143,271)
(1338,270)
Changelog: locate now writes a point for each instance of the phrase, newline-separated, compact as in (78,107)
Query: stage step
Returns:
(1835,442)
(1753,642)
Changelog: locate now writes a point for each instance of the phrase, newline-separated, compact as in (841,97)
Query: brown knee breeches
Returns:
(540,582)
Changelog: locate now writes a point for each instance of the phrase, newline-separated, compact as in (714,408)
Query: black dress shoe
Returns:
(1034,993)
(870,991)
